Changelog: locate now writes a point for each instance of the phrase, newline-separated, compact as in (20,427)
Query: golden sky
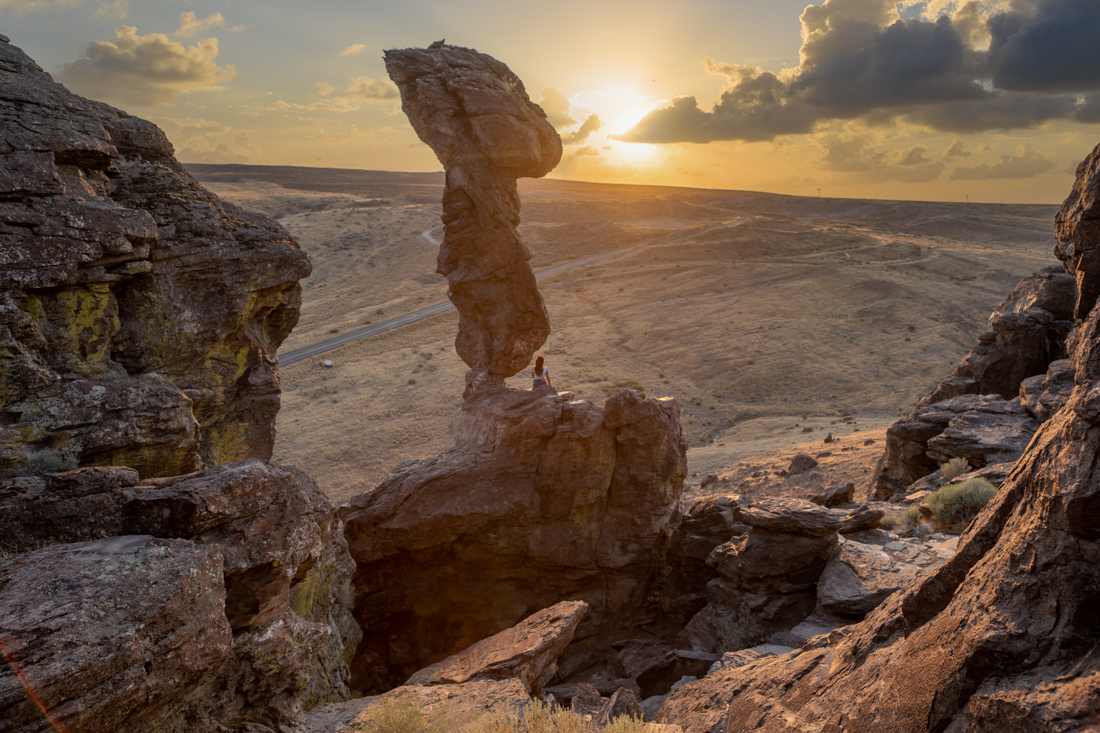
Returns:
(997,100)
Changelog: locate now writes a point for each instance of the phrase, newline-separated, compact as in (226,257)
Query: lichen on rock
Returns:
(139,314)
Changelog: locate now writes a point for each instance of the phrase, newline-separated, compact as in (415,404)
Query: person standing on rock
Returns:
(540,373)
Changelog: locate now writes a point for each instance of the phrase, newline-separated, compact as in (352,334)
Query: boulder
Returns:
(656,667)
(836,495)
(997,433)
(283,571)
(999,637)
(586,700)
(1026,332)
(458,701)
(860,577)
(528,651)
(538,499)
(116,629)
(75,506)
(475,114)
(139,314)
(706,524)
(1045,394)
(623,704)
(985,429)
(801,463)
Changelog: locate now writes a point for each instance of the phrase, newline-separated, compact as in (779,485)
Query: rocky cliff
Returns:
(476,116)
(139,314)
(139,318)
(1000,637)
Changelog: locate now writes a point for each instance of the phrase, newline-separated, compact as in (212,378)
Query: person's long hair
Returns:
(539,361)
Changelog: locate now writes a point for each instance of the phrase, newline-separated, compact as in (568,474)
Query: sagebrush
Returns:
(395,716)
(955,505)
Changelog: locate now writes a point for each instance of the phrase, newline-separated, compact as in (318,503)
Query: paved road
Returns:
(308,352)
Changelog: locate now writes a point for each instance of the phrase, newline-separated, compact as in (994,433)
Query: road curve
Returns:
(308,352)
(321,347)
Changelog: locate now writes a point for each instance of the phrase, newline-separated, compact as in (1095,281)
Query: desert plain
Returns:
(781,324)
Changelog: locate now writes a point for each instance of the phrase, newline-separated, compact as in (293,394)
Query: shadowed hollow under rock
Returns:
(538,499)
(475,114)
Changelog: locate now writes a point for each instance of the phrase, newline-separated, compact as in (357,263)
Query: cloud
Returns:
(1047,46)
(556,107)
(586,150)
(956,150)
(189,26)
(324,89)
(363,87)
(242,150)
(353,50)
(349,134)
(1026,163)
(857,158)
(861,59)
(916,155)
(1089,110)
(590,126)
(116,9)
(26,6)
(144,71)
(193,126)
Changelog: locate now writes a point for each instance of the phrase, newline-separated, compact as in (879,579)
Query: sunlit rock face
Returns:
(1003,635)
(476,116)
(539,499)
(139,314)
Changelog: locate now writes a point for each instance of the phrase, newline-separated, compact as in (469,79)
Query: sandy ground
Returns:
(773,320)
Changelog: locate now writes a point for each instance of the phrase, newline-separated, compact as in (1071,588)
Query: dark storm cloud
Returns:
(590,126)
(859,60)
(1053,46)
(1090,110)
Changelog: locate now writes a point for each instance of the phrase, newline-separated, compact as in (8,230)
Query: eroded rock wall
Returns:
(539,499)
(139,314)
(1002,636)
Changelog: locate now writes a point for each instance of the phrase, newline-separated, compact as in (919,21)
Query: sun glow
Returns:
(618,109)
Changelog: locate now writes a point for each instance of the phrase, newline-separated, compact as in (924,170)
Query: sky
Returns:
(986,100)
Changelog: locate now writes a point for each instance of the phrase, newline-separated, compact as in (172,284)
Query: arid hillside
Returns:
(773,319)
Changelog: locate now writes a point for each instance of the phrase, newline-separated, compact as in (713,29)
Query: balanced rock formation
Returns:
(234,580)
(476,116)
(139,314)
(1002,636)
(538,499)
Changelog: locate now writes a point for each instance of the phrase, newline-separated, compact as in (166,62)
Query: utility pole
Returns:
(968,198)
(819,193)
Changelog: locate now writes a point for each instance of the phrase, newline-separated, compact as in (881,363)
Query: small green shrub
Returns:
(954,468)
(412,380)
(954,505)
(889,521)
(42,463)
(334,330)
